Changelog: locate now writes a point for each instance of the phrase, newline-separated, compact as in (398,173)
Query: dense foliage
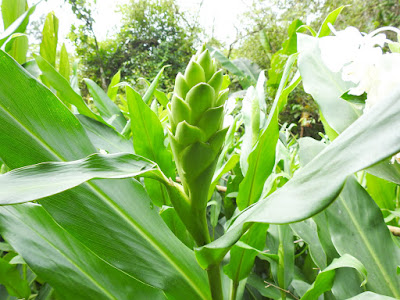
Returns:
(153,34)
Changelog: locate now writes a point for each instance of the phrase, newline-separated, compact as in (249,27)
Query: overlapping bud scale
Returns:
(196,116)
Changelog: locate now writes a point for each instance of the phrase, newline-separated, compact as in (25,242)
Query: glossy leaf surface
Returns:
(105,138)
(356,217)
(148,141)
(106,107)
(115,213)
(49,178)
(325,278)
(62,261)
(313,188)
(62,86)
(18,26)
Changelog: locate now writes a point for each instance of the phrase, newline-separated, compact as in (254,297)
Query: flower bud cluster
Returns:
(196,116)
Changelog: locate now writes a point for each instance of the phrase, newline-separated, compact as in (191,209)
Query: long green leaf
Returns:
(176,225)
(280,242)
(49,178)
(249,68)
(112,88)
(148,95)
(19,25)
(64,67)
(383,192)
(10,277)
(113,218)
(107,109)
(148,141)
(262,158)
(62,86)
(386,170)
(62,261)
(104,137)
(307,231)
(278,61)
(325,278)
(229,165)
(261,286)
(11,11)
(17,47)
(330,19)
(242,260)
(356,217)
(317,185)
(244,81)
(48,47)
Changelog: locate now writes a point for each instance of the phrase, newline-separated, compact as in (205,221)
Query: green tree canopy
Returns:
(153,34)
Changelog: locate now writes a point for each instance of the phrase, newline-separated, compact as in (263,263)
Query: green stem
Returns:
(214,278)
(195,219)
(213,272)
(235,285)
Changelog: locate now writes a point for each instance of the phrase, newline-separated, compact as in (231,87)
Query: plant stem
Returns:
(195,219)
(214,278)
(213,272)
(235,285)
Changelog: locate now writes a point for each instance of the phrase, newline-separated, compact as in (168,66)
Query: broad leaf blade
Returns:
(104,137)
(49,178)
(113,218)
(48,47)
(318,184)
(148,141)
(244,80)
(64,67)
(148,95)
(356,217)
(242,260)
(262,158)
(19,25)
(62,261)
(112,88)
(330,19)
(11,279)
(17,47)
(325,278)
(307,231)
(229,165)
(107,109)
(65,91)
(280,242)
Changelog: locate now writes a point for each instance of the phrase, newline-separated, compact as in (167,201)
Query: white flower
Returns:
(338,50)
(360,59)
(361,69)
(395,158)
(385,78)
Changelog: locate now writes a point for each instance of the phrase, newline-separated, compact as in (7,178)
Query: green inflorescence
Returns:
(196,118)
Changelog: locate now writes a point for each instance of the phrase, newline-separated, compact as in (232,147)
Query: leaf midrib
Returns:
(375,258)
(94,281)
(113,205)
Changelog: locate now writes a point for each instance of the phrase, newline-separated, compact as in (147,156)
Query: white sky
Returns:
(223,14)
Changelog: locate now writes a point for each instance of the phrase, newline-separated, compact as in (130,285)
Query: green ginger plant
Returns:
(107,239)
(196,116)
